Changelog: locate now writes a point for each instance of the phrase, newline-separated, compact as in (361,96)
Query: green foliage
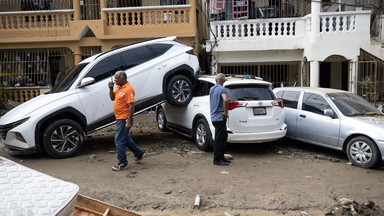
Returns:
(367,88)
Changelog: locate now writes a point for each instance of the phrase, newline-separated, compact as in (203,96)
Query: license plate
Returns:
(259,111)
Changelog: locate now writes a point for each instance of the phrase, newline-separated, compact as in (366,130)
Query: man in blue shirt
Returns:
(219,103)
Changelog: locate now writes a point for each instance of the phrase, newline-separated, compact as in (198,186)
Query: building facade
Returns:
(333,44)
(42,39)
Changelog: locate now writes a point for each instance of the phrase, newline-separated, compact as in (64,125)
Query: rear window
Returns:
(249,92)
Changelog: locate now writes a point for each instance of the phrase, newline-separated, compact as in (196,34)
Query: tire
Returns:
(161,120)
(63,138)
(179,91)
(363,152)
(202,135)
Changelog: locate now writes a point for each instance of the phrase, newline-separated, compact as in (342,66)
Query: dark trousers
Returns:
(220,139)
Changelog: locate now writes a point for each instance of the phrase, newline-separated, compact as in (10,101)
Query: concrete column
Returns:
(352,86)
(76,9)
(314,74)
(315,20)
(103,15)
(76,54)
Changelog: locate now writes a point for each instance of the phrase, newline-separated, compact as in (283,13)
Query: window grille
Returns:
(28,67)
(90,51)
(33,5)
(285,73)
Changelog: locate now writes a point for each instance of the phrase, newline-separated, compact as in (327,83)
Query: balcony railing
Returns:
(156,15)
(35,19)
(336,22)
(253,28)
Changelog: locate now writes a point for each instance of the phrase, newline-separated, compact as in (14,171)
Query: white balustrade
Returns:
(237,29)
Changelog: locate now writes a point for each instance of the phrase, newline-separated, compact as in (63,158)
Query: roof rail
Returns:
(245,76)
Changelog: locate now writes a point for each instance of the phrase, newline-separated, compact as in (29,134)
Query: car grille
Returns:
(4,130)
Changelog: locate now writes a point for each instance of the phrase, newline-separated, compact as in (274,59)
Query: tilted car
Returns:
(335,119)
(158,70)
(255,115)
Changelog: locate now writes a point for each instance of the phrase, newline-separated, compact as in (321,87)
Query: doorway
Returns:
(334,73)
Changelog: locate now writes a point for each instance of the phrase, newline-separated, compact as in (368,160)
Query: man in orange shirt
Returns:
(124,107)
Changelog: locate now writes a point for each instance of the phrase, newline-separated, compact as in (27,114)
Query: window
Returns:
(291,99)
(202,88)
(160,49)
(315,103)
(249,92)
(136,56)
(105,68)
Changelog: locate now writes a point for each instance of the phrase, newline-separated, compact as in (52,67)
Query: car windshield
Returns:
(353,105)
(249,92)
(69,79)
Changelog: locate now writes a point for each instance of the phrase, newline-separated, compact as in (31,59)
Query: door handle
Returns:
(303,116)
(162,66)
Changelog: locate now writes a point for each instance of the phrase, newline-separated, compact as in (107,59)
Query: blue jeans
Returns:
(123,140)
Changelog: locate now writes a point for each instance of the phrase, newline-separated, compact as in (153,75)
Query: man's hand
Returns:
(128,124)
(224,114)
(111,84)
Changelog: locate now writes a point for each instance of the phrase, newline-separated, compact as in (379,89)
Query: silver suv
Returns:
(162,69)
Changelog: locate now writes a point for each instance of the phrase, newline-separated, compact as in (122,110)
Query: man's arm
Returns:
(225,104)
(111,94)
(128,124)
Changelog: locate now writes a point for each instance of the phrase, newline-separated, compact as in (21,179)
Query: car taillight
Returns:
(236,104)
(190,52)
(278,102)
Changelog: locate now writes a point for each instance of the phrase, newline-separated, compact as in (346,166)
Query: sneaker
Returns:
(119,167)
(139,158)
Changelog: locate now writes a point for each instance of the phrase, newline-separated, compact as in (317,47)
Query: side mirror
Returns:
(86,81)
(329,112)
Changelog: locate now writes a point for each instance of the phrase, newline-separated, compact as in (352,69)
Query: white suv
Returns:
(159,70)
(255,114)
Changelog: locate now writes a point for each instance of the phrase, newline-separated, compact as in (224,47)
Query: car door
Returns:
(95,98)
(291,101)
(183,116)
(313,126)
(145,73)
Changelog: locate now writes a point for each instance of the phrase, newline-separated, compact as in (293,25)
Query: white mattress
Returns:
(27,192)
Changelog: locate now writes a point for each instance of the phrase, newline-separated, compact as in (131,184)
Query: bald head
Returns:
(220,78)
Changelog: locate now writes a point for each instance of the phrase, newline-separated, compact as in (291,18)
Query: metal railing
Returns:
(34,5)
(286,74)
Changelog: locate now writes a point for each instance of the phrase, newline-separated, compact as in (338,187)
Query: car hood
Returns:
(377,121)
(26,108)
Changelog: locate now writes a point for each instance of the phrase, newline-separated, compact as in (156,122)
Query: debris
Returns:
(112,152)
(92,156)
(334,160)
(227,214)
(350,207)
(228,157)
(168,192)
(280,152)
(155,206)
(224,172)
(350,163)
(197,202)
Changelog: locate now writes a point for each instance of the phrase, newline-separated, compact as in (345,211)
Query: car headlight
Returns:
(5,128)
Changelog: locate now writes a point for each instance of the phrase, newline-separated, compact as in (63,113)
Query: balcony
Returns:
(290,33)
(106,21)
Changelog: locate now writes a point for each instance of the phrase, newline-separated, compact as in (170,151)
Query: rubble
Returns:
(348,207)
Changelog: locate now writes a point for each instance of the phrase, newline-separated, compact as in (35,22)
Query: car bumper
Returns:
(380,145)
(257,137)
(20,140)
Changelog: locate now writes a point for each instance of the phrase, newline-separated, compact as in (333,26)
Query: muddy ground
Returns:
(278,178)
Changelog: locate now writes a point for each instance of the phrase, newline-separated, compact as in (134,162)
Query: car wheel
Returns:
(161,120)
(63,138)
(362,152)
(202,135)
(179,91)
